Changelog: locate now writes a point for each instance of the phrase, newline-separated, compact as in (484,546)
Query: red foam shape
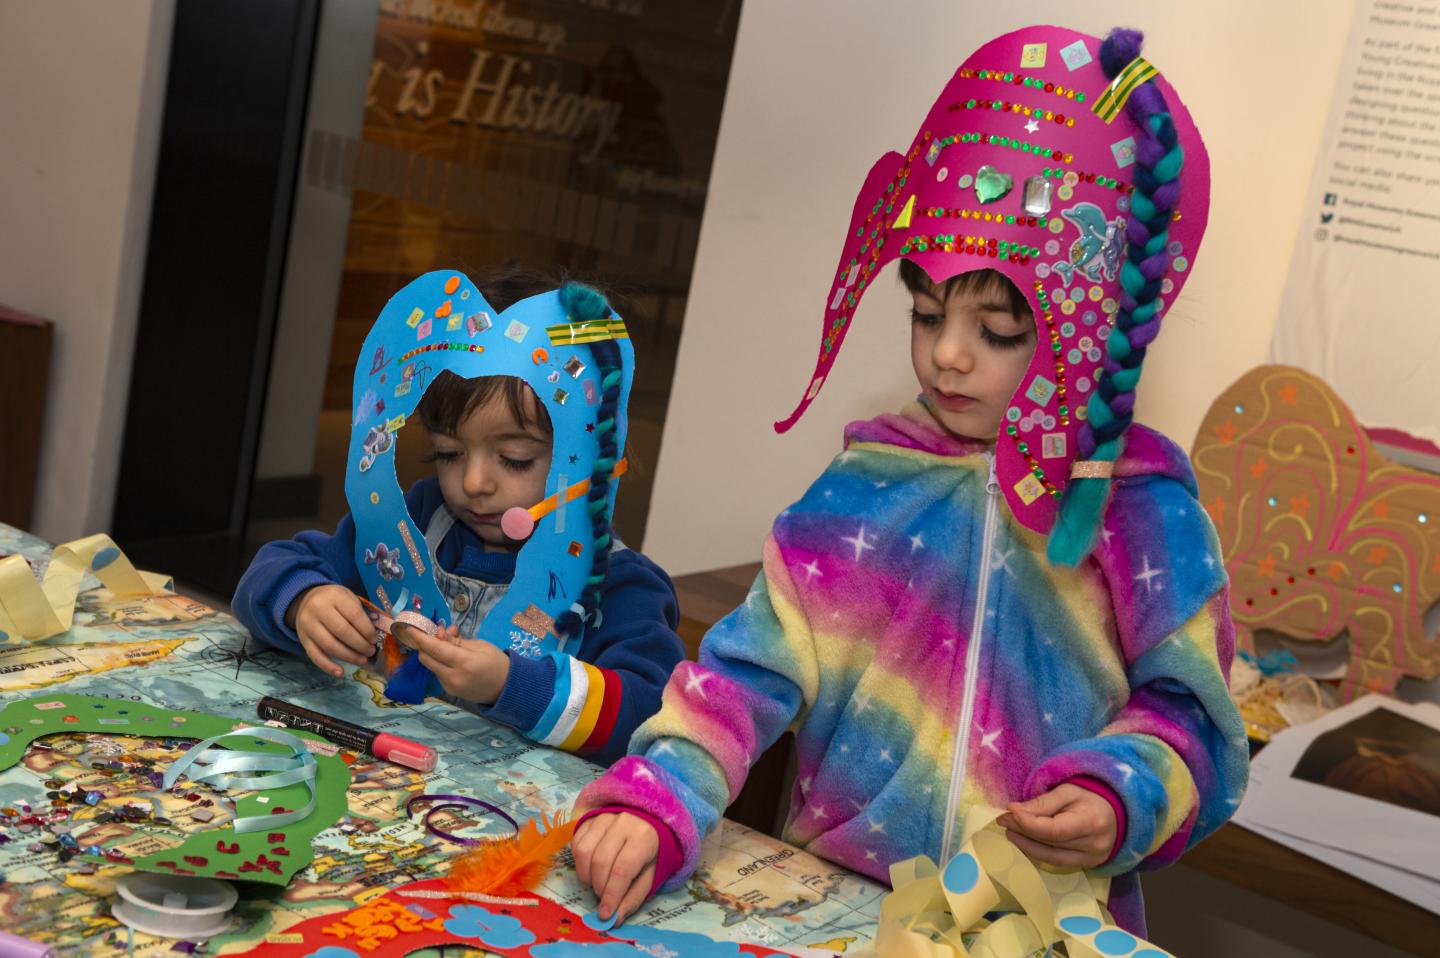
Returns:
(548,921)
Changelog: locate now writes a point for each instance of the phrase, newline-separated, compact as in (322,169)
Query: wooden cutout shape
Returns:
(1320,533)
(268,857)
(392,926)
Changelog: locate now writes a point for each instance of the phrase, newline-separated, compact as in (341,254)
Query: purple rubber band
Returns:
(456,801)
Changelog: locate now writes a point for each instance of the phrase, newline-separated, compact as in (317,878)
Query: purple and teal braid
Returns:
(1158,161)
(581,304)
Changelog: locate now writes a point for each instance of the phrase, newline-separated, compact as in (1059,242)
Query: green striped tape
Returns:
(1110,103)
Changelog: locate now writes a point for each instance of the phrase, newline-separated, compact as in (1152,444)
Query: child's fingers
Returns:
(442,671)
(344,631)
(639,891)
(1050,855)
(438,650)
(1049,803)
(323,651)
(1056,830)
(355,614)
(325,663)
(602,865)
(633,861)
(586,837)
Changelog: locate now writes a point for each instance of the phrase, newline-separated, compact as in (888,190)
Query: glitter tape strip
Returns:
(409,541)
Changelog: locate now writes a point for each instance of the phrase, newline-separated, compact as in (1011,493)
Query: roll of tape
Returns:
(174,906)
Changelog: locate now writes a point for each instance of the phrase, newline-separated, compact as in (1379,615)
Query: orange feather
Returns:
(394,654)
(513,866)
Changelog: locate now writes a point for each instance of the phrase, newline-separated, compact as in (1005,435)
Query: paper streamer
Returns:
(942,914)
(224,768)
(34,610)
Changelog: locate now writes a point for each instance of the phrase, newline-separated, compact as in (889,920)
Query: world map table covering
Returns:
(176,653)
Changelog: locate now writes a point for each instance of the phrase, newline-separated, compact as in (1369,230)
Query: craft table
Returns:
(1234,854)
(176,653)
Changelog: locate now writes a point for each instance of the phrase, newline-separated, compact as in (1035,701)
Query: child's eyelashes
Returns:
(453,455)
(987,334)
(1003,342)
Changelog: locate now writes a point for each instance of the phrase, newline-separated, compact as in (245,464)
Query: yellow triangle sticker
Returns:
(903,220)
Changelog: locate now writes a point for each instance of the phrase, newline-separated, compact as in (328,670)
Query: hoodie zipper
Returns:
(972,664)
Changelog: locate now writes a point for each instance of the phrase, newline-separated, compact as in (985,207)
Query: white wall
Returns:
(82,86)
(818,91)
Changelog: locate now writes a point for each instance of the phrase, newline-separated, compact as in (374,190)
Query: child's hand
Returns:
(615,854)
(1068,826)
(332,624)
(470,669)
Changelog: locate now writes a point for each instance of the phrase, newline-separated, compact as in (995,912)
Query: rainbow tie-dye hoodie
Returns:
(929,659)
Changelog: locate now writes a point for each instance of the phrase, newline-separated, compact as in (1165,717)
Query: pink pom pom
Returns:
(517,523)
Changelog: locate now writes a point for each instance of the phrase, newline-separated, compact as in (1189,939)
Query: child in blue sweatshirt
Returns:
(492,442)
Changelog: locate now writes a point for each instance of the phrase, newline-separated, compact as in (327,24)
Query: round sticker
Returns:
(1181,264)
(1089,317)
(1042,270)
(1057,225)
(1122,204)
(1013,414)
(1067,307)
(1083,384)
(1052,247)
(1075,356)
(965,181)
(1108,305)
(1092,354)
(1067,329)
(1175,248)
(940,174)
(1071,178)
(1096,294)
(1065,192)
(1167,286)
(1077,294)
(1049,422)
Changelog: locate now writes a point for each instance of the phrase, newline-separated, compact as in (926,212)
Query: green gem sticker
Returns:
(991,184)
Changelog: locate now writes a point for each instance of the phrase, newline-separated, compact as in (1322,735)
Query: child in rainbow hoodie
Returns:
(1005,595)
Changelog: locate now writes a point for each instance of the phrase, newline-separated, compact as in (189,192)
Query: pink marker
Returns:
(383,745)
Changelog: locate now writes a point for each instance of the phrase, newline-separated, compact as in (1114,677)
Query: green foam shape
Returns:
(28,719)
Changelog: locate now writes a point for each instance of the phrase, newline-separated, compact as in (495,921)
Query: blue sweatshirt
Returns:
(587,704)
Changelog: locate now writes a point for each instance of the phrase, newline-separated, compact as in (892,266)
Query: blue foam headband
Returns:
(440,321)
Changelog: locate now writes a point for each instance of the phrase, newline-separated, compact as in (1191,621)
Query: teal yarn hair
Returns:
(1158,162)
(582,304)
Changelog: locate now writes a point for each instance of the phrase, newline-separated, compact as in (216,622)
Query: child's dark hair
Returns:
(1158,161)
(450,398)
(916,280)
